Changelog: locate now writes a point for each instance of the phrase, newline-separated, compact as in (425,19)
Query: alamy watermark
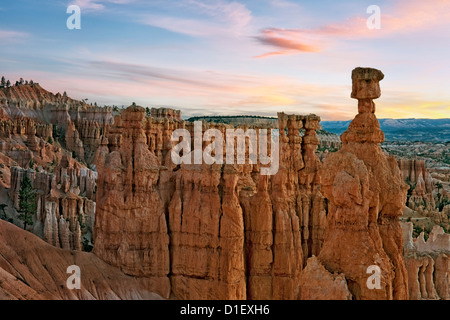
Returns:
(74,281)
(256,140)
(374,21)
(74,20)
(374,281)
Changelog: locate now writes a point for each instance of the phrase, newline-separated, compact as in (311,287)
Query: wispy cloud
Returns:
(223,92)
(142,73)
(11,35)
(114,82)
(213,18)
(289,45)
(96,5)
(284,4)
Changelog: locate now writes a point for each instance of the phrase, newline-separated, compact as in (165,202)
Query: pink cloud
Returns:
(280,40)
(407,16)
(218,91)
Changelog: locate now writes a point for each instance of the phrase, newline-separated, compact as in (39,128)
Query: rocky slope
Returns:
(31,269)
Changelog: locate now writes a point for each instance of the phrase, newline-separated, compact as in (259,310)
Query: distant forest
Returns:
(192,119)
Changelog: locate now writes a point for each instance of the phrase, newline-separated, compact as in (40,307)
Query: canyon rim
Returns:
(111,200)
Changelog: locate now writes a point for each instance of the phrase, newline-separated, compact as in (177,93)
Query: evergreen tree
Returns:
(27,202)
(21,81)
(2,207)
(3,83)
(8,84)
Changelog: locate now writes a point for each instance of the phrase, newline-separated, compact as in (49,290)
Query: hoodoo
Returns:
(366,196)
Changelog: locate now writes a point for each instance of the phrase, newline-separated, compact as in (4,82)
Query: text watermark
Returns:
(256,140)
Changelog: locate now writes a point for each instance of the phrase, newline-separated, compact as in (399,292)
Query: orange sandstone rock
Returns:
(366,196)
(216,231)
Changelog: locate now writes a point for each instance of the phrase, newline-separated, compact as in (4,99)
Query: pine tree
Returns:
(8,84)
(2,207)
(3,83)
(27,202)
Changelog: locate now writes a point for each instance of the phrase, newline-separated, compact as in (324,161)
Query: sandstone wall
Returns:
(165,113)
(208,232)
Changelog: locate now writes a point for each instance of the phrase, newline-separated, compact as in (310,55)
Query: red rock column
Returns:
(130,224)
(366,196)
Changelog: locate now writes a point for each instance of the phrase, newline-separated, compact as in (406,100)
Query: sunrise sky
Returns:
(234,57)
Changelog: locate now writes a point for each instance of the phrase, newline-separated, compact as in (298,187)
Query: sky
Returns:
(257,57)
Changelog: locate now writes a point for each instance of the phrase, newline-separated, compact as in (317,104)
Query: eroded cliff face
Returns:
(39,131)
(32,101)
(25,139)
(421,183)
(427,263)
(426,194)
(65,205)
(218,231)
(366,196)
(130,227)
(35,111)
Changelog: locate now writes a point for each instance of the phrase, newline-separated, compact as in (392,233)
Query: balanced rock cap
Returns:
(366,83)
